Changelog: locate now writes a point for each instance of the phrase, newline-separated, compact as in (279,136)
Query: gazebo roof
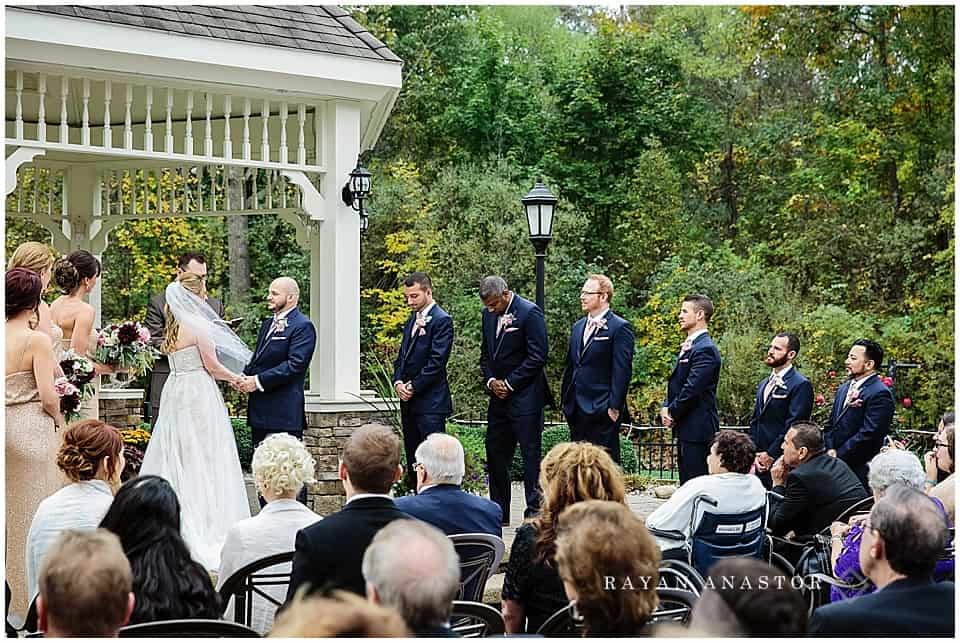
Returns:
(326,29)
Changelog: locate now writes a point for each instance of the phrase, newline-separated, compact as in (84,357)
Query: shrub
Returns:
(244,437)
(138,437)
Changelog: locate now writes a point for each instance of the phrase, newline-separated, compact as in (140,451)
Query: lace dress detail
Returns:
(193,447)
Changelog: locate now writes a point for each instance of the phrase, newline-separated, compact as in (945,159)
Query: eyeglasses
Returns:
(590,292)
(418,465)
(941,444)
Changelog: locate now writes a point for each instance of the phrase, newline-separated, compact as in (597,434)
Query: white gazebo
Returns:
(126,112)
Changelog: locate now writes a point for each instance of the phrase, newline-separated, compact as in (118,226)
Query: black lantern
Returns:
(539,205)
(356,190)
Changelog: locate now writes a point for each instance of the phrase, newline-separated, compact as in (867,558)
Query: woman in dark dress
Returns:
(532,589)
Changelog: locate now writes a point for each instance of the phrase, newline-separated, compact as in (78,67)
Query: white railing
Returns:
(158,120)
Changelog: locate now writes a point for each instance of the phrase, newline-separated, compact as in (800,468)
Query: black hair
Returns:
(701,302)
(74,268)
(871,351)
(167,582)
(187,257)
(793,342)
(760,595)
(808,435)
(736,450)
(419,278)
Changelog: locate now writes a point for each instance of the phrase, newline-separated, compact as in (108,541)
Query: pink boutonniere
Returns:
(856,402)
(421,324)
(281,324)
(601,323)
(505,322)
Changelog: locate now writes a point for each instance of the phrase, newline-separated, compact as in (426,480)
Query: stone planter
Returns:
(121,407)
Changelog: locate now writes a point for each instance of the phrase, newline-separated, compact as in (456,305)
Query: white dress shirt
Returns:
(734,492)
(272,531)
(81,505)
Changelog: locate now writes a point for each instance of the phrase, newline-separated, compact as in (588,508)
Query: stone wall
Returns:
(122,408)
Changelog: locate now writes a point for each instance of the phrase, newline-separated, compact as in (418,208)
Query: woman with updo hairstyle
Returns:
(91,456)
(33,419)
(570,473)
(37,257)
(76,275)
(281,467)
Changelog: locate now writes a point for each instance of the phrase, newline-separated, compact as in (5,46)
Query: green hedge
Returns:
(244,437)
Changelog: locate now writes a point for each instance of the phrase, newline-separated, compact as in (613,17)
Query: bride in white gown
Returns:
(192,445)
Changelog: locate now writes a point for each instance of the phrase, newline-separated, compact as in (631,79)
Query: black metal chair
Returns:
(561,623)
(676,574)
(675,606)
(472,620)
(480,556)
(263,583)
(195,628)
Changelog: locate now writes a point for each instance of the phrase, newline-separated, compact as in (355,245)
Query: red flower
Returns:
(820,400)
(887,380)
(907,402)
(832,373)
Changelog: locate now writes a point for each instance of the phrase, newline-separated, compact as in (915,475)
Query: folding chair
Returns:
(480,556)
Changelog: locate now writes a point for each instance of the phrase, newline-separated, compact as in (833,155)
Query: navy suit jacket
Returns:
(280,362)
(692,391)
(422,361)
(596,376)
(788,404)
(857,432)
(518,355)
(453,510)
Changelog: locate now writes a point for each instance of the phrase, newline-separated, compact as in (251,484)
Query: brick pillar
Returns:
(122,408)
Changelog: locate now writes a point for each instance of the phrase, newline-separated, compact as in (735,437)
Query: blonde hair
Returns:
(282,464)
(171,332)
(604,285)
(32,255)
(343,614)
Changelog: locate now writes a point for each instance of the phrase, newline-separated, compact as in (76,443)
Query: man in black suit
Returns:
(901,543)
(815,487)
(413,568)
(440,501)
(156,323)
(513,354)
(329,552)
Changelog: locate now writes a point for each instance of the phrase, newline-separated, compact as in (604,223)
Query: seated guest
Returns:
(941,461)
(748,597)
(590,567)
(532,589)
(440,501)
(329,553)
(887,468)
(168,583)
(85,586)
(902,540)
(413,568)
(91,455)
(947,419)
(816,488)
(281,467)
(729,483)
(341,615)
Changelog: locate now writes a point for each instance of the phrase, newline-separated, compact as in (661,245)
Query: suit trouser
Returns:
(258,435)
(598,429)
(504,431)
(416,428)
(692,459)
(157,380)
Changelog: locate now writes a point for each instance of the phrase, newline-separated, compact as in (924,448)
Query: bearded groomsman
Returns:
(784,398)
(599,365)
(862,410)
(420,370)
(513,355)
(691,405)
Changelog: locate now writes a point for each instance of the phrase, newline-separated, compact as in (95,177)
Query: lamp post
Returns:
(539,205)
(355,191)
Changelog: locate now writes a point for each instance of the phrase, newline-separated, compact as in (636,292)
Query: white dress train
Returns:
(192,446)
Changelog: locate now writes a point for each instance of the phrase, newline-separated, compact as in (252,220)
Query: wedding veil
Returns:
(195,315)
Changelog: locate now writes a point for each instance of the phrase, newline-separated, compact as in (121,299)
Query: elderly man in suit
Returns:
(420,370)
(513,355)
(599,365)
(156,323)
(784,398)
(862,410)
(902,540)
(329,553)
(691,405)
(440,501)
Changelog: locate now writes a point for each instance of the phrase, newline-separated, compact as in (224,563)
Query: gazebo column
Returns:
(335,263)
(81,207)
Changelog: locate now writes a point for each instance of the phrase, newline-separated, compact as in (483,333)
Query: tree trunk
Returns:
(728,190)
(238,254)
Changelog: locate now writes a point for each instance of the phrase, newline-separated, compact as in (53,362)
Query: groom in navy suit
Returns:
(862,410)
(274,378)
(420,370)
(691,405)
(598,369)
(513,354)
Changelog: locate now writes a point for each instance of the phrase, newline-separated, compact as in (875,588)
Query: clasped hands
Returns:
(499,388)
(404,390)
(244,383)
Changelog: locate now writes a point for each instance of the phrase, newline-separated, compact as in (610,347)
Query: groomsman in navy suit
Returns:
(599,366)
(862,410)
(691,405)
(784,398)
(420,370)
(513,355)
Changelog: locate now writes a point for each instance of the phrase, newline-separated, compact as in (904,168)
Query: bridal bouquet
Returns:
(70,398)
(126,346)
(79,371)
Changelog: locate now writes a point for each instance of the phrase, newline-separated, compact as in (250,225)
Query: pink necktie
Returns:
(592,326)
(771,384)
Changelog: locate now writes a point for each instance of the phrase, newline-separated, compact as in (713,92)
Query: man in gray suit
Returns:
(156,322)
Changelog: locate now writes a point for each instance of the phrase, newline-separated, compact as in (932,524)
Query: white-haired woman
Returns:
(281,467)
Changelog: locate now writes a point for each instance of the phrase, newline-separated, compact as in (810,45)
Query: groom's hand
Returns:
(245,384)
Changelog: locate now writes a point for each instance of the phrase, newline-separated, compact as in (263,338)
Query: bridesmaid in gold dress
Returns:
(33,421)
(76,275)
(38,257)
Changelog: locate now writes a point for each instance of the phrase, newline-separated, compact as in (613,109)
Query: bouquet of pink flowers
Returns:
(79,371)
(70,398)
(126,346)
